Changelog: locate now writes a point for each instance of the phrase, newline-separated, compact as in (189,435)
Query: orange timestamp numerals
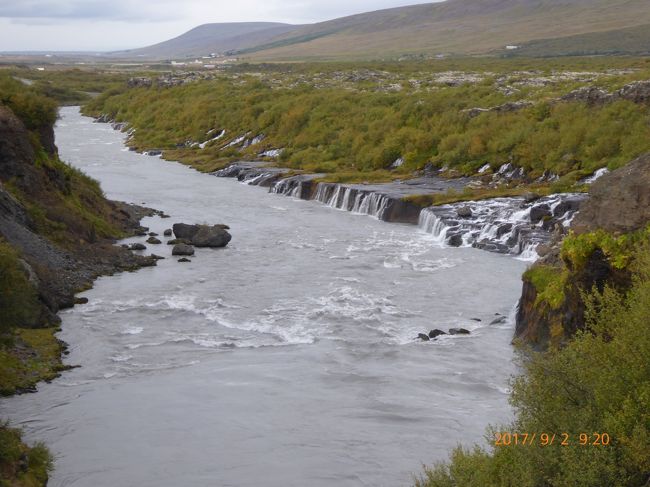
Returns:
(548,439)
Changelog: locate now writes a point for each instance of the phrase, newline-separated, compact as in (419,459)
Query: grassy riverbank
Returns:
(56,236)
(354,123)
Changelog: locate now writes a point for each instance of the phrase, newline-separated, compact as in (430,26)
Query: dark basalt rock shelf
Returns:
(519,225)
(384,201)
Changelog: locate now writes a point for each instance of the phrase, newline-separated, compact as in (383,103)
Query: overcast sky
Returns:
(100,25)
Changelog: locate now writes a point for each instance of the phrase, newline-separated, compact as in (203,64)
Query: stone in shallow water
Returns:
(183,249)
(498,321)
(436,333)
(458,331)
(203,235)
(464,212)
(455,240)
(538,212)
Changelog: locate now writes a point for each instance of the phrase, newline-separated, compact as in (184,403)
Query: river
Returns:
(286,359)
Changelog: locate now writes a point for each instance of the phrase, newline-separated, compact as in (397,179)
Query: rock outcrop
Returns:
(619,203)
(637,92)
(62,252)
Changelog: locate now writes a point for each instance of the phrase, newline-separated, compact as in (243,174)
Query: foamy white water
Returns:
(286,359)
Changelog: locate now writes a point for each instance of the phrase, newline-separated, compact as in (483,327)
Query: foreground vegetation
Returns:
(360,121)
(597,384)
(22,466)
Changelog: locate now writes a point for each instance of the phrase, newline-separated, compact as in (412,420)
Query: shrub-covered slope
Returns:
(582,411)
(323,122)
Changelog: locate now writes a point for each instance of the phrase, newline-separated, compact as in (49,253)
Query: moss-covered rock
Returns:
(599,251)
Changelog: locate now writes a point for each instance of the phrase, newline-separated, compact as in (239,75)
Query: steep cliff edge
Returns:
(598,252)
(56,219)
(57,234)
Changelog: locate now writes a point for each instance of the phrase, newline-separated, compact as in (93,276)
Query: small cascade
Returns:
(595,176)
(255,179)
(353,199)
(504,225)
(220,135)
(250,173)
(288,187)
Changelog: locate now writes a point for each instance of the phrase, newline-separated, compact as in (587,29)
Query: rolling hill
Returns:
(633,40)
(208,38)
(540,27)
(455,26)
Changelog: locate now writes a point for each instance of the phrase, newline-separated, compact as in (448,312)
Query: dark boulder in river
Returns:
(537,213)
(168,232)
(436,333)
(185,231)
(455,240)
(153,240)
(424,337)
(458,331)
(183,249)
(177,241)
(203,235)
(184,259)
(211,237)
(464,212)
(137,246)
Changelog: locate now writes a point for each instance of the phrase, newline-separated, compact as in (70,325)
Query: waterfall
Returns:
(334,200)
(353,199)
(505,225)
(345,205)
(255,179)
(288,187)
(430,223)
(373,204)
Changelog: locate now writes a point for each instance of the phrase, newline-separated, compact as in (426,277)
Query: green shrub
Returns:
(20,465)
(18,301)
(598,383)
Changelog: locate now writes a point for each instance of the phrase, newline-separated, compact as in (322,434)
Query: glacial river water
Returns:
(286,359)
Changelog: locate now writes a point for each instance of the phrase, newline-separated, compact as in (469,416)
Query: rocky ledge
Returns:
(61,251)
(383,201)
(619,204)
(521,225)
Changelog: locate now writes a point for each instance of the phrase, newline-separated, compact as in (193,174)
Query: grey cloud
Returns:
(168,10)
(122,10)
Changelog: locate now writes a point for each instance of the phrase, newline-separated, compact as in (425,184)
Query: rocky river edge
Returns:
(530,227)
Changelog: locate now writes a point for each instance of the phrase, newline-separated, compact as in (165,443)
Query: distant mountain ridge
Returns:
(449,27)
(212,38)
